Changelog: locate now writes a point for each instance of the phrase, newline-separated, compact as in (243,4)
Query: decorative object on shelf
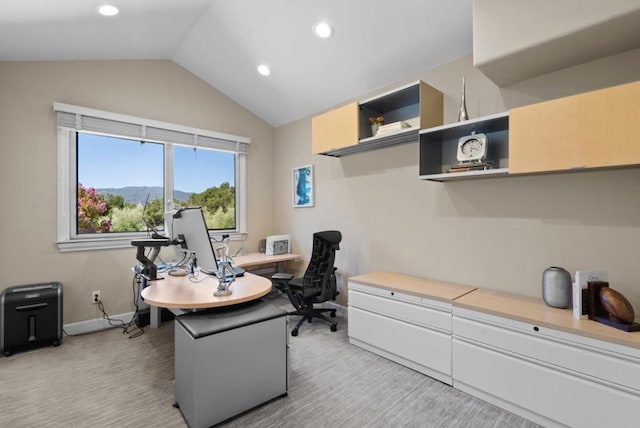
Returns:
(472,166)
(462,114)
(392,128)
(607,306)
(303,186)
(376,121)
(556,287)
(472,148)
(580,295)
(617,305)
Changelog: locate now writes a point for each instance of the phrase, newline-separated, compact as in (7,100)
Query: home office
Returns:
(497,233)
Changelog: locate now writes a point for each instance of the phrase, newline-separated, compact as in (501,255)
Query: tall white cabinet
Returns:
(404,319)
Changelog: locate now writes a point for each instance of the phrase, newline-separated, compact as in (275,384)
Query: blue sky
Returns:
(114,162)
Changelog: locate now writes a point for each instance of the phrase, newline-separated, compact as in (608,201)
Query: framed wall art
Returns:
(303,186)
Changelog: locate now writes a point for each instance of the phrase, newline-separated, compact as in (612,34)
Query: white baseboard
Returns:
(96,324)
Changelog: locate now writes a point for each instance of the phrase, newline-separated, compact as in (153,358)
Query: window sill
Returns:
(120,242)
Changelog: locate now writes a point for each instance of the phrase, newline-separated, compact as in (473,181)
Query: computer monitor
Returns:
(188,225)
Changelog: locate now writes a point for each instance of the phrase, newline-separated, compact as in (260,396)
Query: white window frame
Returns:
(73,119)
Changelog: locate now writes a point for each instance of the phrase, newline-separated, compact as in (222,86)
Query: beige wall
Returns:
(514,40)
(504,27)
(498,233)
(159,90)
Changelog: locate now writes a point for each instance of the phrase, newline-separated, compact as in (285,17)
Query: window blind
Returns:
(103,122)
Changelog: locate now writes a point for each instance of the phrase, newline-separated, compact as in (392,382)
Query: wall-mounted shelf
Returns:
(347,130)
(438,148)
(409,135)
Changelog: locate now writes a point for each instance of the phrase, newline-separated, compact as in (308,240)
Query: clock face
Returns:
(472,148)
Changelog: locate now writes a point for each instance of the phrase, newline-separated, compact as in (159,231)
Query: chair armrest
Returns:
(281,280)
(282,277)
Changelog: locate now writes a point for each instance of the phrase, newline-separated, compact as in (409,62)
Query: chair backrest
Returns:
(320,272)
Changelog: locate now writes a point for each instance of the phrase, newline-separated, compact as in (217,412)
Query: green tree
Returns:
(114,201)
(221,219)
(154,215)
(215,198)
(128,219)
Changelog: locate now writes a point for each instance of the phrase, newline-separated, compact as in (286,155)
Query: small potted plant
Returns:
(376,121)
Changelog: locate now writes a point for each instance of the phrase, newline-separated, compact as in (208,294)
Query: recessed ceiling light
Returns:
(323,30)
(264,70)
(108,10)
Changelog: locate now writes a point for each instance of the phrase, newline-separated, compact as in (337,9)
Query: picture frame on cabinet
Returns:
(302,186)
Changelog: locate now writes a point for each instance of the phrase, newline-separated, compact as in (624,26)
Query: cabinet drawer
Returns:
(403,307)
(537,343)
(424,347)
(540,393)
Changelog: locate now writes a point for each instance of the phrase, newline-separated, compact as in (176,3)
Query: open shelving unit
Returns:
(438,147)
(417,104)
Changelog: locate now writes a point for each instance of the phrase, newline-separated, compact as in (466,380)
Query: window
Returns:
(118,174)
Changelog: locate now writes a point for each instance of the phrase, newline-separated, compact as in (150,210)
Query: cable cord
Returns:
(131,328)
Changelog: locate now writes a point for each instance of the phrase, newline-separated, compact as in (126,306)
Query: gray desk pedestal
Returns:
(229,360)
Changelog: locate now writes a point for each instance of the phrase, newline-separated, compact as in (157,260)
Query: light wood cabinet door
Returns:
(592,130)
(335,129)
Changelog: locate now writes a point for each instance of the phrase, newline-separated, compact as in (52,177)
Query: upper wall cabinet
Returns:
(596,129)
(335,129)
(406,110)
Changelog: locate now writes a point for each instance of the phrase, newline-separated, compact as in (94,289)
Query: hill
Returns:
(138,194)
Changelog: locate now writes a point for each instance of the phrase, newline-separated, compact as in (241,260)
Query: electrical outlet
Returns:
(95,296)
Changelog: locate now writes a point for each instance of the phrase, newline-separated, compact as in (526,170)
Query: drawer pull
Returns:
(536,329)
(392,293)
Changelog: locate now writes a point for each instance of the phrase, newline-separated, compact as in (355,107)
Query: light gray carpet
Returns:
(107,379)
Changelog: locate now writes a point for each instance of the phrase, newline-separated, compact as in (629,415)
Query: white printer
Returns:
(277,244)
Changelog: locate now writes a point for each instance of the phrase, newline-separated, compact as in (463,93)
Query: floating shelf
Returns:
(438,148)
(409,135)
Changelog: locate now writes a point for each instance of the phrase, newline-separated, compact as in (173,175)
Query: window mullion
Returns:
(168,176)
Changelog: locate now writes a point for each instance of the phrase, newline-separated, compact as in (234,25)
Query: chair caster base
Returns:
(332,314)
(334,328)
(294,332)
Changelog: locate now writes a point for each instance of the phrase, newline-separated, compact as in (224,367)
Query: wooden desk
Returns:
(185,293)
(258,259)
(182,292)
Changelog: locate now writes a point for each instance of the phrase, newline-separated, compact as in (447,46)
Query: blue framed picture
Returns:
(303,186)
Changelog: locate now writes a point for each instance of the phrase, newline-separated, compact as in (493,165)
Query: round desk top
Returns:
(185,293)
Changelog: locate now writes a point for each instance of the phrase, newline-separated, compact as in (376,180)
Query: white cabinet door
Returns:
(427,351)
(538,392)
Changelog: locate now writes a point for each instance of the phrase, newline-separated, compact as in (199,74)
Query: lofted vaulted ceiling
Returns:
(375,43)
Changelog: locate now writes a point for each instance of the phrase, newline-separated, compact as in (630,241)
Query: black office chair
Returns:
(318,283)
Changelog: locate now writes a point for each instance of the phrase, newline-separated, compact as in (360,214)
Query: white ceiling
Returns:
(375,43)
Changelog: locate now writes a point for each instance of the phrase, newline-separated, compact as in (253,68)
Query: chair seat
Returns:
(307,293)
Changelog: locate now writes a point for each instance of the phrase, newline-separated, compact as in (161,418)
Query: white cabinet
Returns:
(404,319)
(550,376)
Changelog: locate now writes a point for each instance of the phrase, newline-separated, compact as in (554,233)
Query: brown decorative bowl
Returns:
(616,305)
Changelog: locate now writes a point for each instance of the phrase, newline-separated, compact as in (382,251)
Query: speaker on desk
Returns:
(30,315)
